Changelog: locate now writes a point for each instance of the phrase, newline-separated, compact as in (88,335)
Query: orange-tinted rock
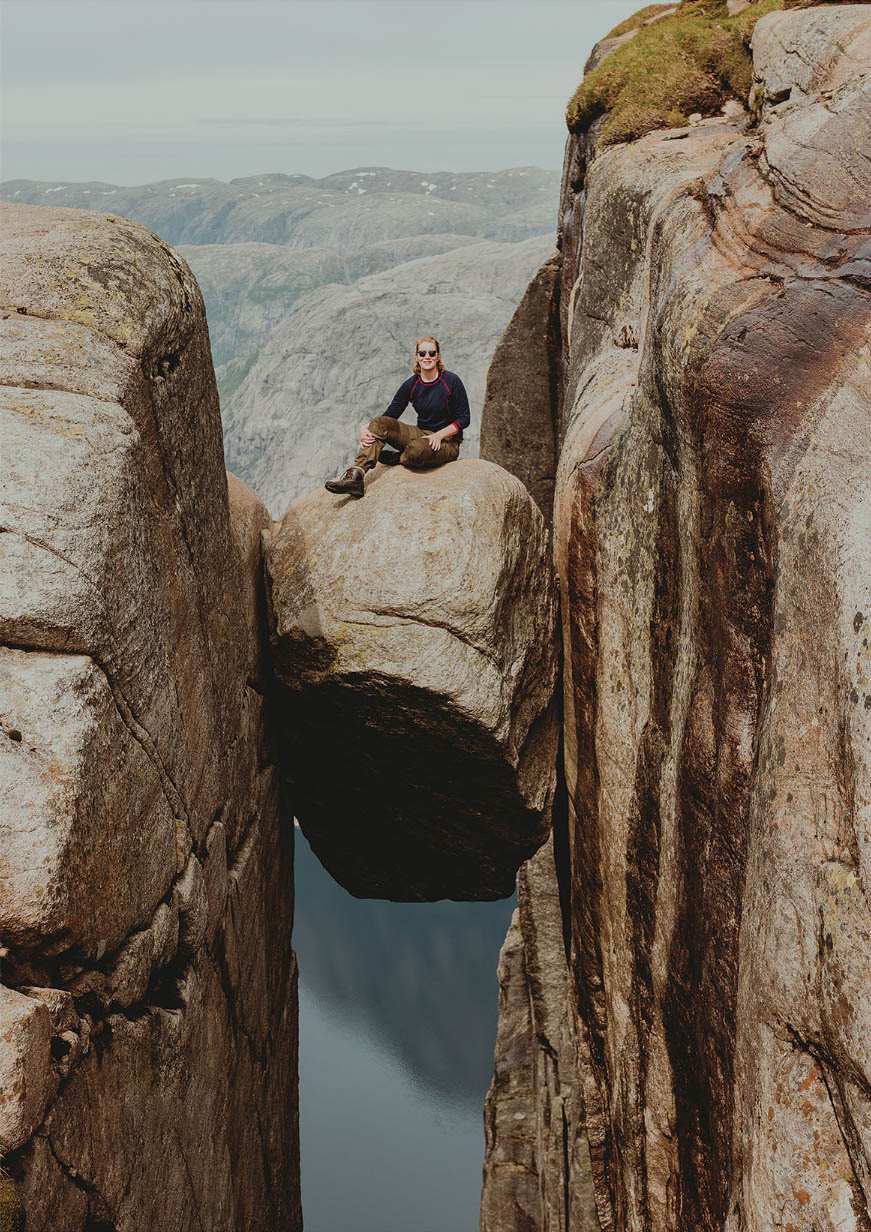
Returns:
(712,522)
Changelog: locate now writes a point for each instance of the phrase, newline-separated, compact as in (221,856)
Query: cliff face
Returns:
(712,518)
(148,1004)
(520,420)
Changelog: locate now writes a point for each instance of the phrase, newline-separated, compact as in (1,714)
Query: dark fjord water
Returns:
(397,1026)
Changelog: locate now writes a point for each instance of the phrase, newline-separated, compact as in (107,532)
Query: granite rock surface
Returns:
(537,1170)
(146,856)
(414,635)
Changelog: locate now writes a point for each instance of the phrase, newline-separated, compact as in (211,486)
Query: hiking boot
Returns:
(349,484)
(389,457)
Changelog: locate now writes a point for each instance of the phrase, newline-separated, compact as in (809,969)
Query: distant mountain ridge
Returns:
(316,288)
(295,210)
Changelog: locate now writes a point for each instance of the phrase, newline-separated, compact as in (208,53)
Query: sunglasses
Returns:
(423,354)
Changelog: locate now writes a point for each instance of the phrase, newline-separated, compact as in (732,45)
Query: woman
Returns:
(442,407)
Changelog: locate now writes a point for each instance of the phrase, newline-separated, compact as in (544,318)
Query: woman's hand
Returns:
(366,437)
(435,438)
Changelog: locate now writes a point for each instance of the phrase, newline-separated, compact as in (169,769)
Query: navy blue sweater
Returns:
(438,403)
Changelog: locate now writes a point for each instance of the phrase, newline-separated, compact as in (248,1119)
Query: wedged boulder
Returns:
(413,633)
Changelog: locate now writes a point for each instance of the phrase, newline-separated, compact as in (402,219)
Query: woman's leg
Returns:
(419,453)
(386,430)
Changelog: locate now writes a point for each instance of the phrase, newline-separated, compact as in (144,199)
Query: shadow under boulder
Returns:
(414,643)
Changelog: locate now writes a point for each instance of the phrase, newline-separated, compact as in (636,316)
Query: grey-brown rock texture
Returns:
(148,1013)
(414,635)
(520,420)
(712,524)
(537,1173)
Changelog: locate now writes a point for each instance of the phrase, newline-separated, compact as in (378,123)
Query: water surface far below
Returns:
(397,1025)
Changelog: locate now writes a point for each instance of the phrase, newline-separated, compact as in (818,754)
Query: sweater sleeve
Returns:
(400,399)
(460,404)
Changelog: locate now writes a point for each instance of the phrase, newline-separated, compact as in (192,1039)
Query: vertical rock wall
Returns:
(522,407)
(712,522)
(537,1172)
(148,1005)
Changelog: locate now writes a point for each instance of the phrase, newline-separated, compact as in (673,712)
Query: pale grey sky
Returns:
(130,91)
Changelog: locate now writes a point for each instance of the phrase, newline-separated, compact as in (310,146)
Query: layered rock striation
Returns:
(712,518)
(148,1006)
(414,635)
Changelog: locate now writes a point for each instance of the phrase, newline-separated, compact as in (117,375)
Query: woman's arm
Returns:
(460,405)
(400,399)
(435,438)
(395,410)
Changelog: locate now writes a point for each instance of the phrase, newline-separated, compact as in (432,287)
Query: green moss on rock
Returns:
(10,1207)
(638,19)
(691,61)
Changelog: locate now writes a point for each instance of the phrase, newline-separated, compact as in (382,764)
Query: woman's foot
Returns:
(349,484)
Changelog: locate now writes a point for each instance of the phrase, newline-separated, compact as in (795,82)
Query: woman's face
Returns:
(427,357)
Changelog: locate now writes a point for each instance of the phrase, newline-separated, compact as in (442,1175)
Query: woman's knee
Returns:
(416,454)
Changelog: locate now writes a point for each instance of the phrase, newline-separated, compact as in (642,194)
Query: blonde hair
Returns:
(435,342)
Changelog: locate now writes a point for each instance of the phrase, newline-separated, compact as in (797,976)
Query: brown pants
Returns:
(411,441)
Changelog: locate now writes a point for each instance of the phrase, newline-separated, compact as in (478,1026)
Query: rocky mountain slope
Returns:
(302,212)
(316,289)
(710,403)
(339,354)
